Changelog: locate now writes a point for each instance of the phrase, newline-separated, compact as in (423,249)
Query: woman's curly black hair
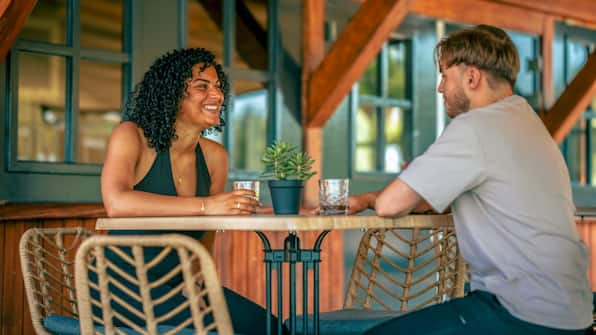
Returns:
(154,103)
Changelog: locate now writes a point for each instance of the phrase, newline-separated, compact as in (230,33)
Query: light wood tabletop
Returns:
(271,222)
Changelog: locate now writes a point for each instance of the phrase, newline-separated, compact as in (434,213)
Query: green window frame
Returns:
(245,116)
(67,180)
(73,53)
(578,147)
(266,76)
(378,98)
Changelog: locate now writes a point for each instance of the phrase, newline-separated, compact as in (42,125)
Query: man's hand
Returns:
(360,202)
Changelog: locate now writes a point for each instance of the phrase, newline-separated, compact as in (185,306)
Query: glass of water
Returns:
(252,185)
(333,196)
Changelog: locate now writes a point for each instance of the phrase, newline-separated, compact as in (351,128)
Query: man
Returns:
(508,187)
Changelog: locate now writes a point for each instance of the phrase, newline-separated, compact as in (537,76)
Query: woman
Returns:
(159,164)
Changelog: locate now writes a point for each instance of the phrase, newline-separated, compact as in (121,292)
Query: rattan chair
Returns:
(99,279)
(396,271)
(47,262)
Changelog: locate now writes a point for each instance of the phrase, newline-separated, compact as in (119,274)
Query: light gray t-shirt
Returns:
(510,196)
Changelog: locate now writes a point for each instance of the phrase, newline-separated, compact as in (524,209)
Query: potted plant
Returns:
(289,168)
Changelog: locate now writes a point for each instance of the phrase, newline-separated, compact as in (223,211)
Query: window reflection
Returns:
(574,149)
(366,138)
(204,26)
(251,35)
(101,24)
(41,108)
(382,127)
(46,23)
(396,143)
(99,104)
(396,82)
(44,81)
(368,83)
(247,124)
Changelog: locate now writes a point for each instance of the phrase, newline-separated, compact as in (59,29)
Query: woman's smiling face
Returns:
(202,100)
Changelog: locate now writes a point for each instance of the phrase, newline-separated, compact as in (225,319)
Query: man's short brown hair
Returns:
(485,47)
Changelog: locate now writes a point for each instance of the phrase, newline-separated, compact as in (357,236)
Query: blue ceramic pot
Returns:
(286,196)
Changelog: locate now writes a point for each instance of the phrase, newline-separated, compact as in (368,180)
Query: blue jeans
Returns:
(477,313)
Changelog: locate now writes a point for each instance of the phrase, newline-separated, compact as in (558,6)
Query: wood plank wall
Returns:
(238,257)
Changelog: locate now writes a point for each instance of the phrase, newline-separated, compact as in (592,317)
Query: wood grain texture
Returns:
(573,101)
(313,144)
(481,11)
(282,223)
(576,10)
(12,22)
(46,211)
(313,52)
(4,6)
(547,83)
(228,259)
(344,64)
(238,256)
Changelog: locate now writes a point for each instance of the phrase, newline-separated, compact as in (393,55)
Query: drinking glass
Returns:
(333,196)
(252,185)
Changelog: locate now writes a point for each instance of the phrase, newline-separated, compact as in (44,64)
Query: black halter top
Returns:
(160,180)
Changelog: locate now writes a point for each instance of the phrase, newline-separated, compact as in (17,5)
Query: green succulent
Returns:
(284,161)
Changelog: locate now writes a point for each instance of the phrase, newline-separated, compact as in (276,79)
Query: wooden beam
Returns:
(573,102)
(576,10)
(313,52)
(4,6)
(548,86)
(12,22)
(481,12)
(253,48)
(349,56)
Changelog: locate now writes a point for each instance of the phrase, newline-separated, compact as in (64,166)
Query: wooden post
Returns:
(313,51)
(548,94)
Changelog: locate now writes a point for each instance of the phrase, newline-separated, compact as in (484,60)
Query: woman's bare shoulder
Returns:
(128,133)
(212,148)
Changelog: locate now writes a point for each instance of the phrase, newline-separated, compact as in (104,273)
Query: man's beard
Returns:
(457,104)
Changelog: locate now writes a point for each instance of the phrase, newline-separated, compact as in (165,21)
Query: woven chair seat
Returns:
(396,270)
(64,325)
(119,291)
(47,262)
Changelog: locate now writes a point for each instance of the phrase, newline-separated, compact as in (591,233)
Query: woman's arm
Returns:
(118,178)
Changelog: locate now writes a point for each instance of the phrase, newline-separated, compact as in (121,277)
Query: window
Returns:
(67,75)
(527,84)
(579,147)
(239,35)
(383,108)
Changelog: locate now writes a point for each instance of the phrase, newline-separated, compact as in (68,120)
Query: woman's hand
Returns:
(237,202)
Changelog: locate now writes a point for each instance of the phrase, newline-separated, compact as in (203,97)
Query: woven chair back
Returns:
(203,305)
(47,261)
(406,269)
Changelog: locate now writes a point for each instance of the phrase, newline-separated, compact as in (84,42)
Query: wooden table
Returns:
(292,252)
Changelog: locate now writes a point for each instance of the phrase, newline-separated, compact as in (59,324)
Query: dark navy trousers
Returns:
(478,312)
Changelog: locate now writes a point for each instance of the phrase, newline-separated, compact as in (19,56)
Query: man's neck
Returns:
(490,96)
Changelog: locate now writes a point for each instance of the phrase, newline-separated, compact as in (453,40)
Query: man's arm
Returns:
(398,199)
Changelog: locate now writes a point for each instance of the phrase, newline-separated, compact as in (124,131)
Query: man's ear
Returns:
(472,77)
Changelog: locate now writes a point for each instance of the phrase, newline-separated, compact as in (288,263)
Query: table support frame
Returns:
(292,253)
